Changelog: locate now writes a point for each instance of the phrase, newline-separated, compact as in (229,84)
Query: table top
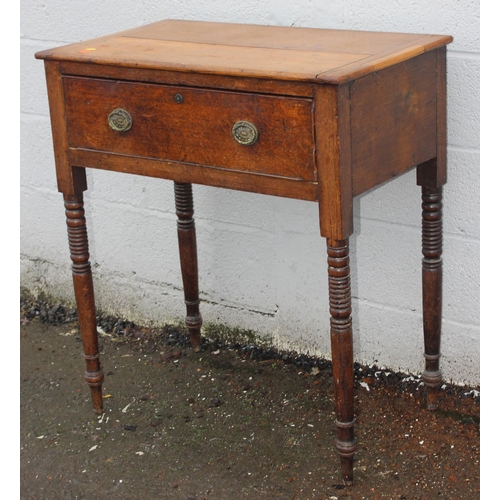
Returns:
(275,52)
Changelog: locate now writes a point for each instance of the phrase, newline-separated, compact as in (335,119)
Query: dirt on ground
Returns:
(232,422)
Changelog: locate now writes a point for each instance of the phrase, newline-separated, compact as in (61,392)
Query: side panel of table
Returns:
(393,121)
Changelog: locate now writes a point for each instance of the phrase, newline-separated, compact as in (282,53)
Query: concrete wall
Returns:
(262,261)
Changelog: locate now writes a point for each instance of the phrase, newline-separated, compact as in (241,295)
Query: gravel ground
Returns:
(234,421)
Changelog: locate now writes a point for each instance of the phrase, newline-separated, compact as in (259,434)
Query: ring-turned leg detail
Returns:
(339,287)
(84,294)
(189,259)
(432,272)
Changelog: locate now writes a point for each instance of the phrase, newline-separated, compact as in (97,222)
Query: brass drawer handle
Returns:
(120,120)
(245,133)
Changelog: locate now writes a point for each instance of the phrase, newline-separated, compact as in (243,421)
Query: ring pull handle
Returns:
(245,133)
(120,120)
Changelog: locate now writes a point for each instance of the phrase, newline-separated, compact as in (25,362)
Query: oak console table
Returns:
(313,114)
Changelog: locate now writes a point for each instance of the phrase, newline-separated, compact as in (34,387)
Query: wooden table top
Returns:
(274,52)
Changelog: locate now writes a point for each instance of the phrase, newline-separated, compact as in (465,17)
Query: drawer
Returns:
(264,134)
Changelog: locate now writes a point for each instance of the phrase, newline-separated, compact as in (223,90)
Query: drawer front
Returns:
(263,134)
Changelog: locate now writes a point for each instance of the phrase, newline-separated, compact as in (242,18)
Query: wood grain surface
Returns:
(197,130)
(282,53)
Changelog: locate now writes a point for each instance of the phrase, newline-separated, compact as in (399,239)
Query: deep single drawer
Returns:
(264,134)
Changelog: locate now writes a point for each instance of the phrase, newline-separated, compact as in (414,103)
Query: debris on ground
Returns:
(237,421)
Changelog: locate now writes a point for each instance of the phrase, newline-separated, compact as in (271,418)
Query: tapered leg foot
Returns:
(432,275)
(84,294)
(339,286)
(346,464)
(189,260)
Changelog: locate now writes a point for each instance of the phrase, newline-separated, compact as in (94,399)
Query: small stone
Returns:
(171,354)
(156,422)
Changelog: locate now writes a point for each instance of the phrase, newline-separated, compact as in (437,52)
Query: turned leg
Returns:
(84,293)
(432,239)
(339,287)
(189,260)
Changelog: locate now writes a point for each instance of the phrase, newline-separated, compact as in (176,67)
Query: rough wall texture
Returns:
(262,261)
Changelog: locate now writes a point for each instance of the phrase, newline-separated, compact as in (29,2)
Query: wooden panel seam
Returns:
(335,194)
(433,172)
(185,79)
(197,174)
(69,180)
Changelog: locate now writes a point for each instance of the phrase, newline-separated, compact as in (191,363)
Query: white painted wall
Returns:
(262,261)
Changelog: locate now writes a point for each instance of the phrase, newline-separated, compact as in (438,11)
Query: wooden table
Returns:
(313,114)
